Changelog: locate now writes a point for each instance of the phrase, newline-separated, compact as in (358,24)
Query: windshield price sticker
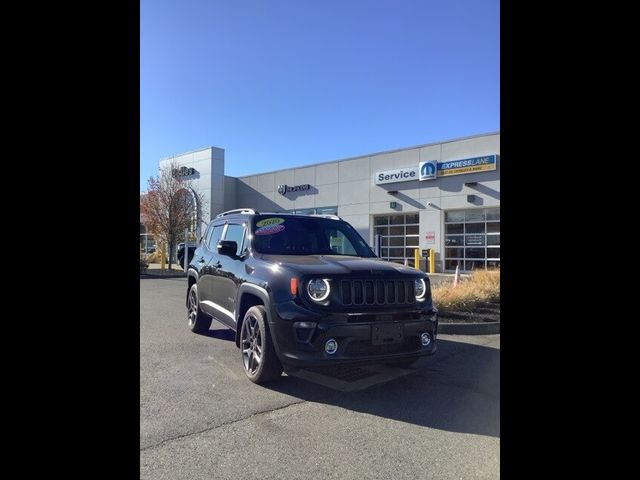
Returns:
(269,229)
(270,221)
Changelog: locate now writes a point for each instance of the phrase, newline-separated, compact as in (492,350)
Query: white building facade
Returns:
(443,196)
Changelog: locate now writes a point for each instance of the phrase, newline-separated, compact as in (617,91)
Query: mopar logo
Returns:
(284,189)
(428,170)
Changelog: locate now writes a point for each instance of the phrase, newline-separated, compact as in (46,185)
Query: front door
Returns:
(226,282)
(206,260)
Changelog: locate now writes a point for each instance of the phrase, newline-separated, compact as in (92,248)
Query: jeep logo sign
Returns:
(183,172)
(284,189)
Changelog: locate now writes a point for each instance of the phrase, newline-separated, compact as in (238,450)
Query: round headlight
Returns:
(318,289)
(420,288)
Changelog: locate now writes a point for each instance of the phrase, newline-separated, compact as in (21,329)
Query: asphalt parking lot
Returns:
(201,418)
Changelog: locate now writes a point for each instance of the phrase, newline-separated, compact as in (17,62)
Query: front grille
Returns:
(378,292)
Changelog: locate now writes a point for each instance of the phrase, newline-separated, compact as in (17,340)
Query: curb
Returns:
(487,328)
(173,275)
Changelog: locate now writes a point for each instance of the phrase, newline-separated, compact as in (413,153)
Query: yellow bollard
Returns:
(432,260)
(416,258)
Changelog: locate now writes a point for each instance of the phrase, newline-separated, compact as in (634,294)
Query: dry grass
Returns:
(155,258)
(483,286)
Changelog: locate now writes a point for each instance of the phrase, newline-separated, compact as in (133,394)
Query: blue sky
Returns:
(284,83)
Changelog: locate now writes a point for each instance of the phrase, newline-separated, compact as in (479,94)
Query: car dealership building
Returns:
(443,196)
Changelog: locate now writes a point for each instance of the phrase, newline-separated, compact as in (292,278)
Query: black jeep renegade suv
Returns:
(304,291)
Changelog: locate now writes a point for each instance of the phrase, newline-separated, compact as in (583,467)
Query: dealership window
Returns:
(400,236)
(472,239)
(147,243)
(315,211)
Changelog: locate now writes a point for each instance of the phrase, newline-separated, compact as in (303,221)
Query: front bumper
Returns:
(299,335)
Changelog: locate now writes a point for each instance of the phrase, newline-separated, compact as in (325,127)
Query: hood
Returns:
(338,265)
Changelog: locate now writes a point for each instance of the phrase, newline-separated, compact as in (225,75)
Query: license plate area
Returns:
(386,334)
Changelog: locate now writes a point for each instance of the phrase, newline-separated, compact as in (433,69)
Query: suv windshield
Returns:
(289,235)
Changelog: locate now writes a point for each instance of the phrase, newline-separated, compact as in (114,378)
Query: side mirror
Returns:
(227,247)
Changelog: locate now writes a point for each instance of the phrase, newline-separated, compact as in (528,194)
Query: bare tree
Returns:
(170,206)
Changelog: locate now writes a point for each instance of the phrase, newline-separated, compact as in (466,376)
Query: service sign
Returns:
(399,175)
(467,165)
(432,169)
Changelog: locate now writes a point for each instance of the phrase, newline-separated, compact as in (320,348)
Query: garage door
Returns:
(472,239)
(400,236)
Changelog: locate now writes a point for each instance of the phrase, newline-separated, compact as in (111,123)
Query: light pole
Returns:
(186,249)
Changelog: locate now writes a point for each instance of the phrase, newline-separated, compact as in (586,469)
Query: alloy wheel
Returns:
(251,342)
(193,308)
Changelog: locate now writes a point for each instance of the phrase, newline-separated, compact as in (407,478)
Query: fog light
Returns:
(425,339)
(331,346)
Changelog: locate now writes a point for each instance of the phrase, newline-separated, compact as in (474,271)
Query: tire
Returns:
(406,363)
(258,355)
(199,322)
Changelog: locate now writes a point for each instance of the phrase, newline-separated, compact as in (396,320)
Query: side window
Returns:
(214,238)
(235,233)
(207,235)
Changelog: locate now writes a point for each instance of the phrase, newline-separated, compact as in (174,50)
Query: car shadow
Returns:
(457,390)
(221,333)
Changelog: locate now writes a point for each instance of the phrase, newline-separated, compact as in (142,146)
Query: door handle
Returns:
(217,265)
(201,260)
